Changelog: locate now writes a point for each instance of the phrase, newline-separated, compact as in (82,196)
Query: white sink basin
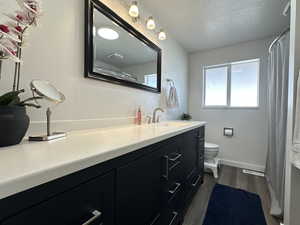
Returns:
(173,124)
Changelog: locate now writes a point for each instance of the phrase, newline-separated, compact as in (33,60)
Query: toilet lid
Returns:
(211,146)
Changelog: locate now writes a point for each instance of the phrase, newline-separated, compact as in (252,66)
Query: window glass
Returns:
(216,86)
(244,84)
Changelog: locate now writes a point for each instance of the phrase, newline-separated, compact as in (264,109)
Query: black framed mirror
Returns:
(116,52)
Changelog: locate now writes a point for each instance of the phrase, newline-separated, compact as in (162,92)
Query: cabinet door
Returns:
(139,190)
(92,202)
(201,144)
(190,153)
(192,173)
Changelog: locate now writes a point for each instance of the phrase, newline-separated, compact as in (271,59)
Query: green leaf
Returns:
(15,101)
(31,105)
(30,99)
(10,97)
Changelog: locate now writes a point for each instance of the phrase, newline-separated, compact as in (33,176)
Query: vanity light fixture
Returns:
(150,23)
(162,35)
(108,33)
(134,10)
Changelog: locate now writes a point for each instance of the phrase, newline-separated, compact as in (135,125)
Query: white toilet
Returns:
(211,162)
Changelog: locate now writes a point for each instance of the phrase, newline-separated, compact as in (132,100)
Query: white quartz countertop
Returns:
(30,164)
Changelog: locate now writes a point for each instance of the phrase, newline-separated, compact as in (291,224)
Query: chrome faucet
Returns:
(154,120)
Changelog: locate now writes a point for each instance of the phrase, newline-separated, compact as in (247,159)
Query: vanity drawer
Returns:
(91,203)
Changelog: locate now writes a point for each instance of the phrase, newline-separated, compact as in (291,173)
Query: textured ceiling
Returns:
(206,24)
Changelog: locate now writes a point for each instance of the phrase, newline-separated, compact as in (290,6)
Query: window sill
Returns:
(229,108)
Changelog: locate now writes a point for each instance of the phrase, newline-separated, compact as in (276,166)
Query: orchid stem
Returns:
(0,68)
(15,76)
(16,71)
(19,69)
(16,84)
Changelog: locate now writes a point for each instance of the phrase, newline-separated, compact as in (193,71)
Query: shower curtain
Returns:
(278,67)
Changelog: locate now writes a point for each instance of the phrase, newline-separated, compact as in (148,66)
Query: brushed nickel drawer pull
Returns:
(166,176)
(96,215)
(174,218)
(174,165)
(177,186)
(197,181)
(176,157)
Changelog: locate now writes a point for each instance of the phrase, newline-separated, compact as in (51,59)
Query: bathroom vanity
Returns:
(135,175)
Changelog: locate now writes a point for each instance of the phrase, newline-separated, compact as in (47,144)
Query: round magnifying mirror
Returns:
(47,90)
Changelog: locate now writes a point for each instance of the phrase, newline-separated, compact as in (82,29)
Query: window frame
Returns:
(229,73)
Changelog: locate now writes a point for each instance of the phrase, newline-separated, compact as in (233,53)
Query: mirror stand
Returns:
(50,136)
(47,91)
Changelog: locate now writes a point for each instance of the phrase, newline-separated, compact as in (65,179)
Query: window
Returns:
(216,86)
(232,85)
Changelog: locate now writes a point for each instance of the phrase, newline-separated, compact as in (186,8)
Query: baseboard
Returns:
(242,165)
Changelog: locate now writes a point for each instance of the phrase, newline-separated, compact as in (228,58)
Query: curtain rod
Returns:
(278,38)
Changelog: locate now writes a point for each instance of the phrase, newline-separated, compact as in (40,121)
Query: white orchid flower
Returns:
(10,36)
(8,52)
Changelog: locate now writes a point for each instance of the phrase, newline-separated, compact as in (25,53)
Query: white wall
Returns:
(55,52)
(248,147)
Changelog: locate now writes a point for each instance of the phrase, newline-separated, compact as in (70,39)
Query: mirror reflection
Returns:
(119,54)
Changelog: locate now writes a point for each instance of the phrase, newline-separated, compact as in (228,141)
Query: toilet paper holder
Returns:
(228,131)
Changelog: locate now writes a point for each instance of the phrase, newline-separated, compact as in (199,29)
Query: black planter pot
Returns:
(14,124)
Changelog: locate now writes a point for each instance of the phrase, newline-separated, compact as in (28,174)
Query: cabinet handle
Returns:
(176,157)
(96,215)
(196,182)
(174,218)
(177,186)
(174,166)
(166,167)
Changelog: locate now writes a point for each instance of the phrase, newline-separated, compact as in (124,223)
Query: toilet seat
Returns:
(211,147)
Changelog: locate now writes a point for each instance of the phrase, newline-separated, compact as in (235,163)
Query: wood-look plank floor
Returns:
(233,177)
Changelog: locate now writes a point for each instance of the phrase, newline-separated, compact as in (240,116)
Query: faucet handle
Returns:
(148,119)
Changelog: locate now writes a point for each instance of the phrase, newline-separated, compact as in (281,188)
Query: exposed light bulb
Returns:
(162,35)
(151,23)
(134,10)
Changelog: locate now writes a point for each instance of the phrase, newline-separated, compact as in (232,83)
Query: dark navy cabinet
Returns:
(92,201)
(139,190)
(150,186)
